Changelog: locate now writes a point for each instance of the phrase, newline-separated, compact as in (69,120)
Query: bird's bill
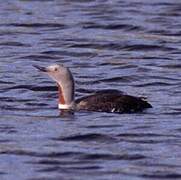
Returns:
(42,69)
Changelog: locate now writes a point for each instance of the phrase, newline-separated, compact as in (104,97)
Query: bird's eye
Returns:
(55,69)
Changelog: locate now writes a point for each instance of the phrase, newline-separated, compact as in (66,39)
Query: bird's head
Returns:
(58,73)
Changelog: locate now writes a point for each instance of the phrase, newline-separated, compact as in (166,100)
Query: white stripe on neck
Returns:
(65,106)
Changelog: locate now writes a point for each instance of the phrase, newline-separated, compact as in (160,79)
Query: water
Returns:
(133,46)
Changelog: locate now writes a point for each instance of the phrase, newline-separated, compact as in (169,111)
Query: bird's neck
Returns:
(65,97)
(61,96)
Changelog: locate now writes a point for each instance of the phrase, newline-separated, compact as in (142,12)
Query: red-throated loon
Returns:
(102,101)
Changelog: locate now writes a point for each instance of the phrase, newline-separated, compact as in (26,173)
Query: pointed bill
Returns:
(42,69)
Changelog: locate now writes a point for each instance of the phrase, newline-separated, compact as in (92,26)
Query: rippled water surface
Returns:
(133,46)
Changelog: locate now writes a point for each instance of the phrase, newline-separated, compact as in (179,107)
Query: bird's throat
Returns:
(61,98)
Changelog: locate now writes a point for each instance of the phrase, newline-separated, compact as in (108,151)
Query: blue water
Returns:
(133,46)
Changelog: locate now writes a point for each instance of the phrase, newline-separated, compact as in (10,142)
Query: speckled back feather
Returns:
(112,101)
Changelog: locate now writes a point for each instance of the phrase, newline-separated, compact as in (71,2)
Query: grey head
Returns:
(63,76)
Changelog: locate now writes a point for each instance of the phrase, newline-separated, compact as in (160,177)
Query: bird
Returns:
(106,100)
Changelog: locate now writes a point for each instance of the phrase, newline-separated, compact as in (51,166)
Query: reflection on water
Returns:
(133,46)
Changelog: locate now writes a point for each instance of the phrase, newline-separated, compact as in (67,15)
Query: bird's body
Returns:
(101,101)
(112,101)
